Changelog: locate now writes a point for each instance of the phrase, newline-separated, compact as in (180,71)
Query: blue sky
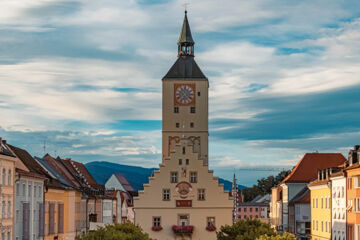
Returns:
(85,77)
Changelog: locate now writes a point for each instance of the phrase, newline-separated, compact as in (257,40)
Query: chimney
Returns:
(353,155)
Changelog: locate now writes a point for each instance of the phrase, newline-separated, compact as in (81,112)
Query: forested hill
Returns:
(137,176)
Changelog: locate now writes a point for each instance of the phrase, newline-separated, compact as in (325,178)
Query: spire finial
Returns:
(185,5)
(186,42)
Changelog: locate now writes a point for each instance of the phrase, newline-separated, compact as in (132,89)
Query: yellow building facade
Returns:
(320,191)
(61,214)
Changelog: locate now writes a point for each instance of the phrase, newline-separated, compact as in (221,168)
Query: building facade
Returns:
(300,214)
(304,172)
(183,199)
(320,190)
(338,205)
(353,195)
(7,167)
(29,197)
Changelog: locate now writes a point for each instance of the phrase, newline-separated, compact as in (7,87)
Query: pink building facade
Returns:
(252,210)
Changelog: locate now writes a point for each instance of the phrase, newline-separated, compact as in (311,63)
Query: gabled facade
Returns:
(183,200)
(125,202)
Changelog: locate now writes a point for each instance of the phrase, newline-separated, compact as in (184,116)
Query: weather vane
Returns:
(185,5)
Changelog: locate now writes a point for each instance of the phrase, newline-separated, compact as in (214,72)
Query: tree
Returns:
(125,231)
(263,186)
(285,236)
(245,230)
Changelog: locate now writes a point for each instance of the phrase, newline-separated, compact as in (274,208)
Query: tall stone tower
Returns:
(185,100)
(183,200)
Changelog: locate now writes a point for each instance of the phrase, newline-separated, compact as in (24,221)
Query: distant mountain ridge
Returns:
(137,176)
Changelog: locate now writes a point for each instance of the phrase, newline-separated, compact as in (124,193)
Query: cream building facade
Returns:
(7,167)
(183,200)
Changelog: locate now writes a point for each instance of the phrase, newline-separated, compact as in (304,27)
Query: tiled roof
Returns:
(307,169)
(53,171)
(302,197)
(60,168)
(355,165)
(81,169)
(339,173)
(29,161)
(29,174)
(124,182)
(4,149)
(318,182)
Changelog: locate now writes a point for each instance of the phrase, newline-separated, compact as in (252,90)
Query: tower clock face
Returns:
(185,94)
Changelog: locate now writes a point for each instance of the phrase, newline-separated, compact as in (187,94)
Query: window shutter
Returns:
(51,218)
(41,220)
(26,221)
(61,218)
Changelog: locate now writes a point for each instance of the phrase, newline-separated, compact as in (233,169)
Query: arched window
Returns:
(9,209)
(9,178)
(3,176)
(3,209)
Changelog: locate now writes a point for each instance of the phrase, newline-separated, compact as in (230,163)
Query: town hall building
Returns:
(183,200)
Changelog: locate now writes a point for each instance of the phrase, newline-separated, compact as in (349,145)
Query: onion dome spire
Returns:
(186,42)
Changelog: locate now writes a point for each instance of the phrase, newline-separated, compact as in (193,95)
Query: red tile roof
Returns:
(307,169)
(60,168)
(29,162)
(81,169)
(318,182)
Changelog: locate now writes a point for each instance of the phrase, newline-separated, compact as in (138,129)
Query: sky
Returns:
(84,77)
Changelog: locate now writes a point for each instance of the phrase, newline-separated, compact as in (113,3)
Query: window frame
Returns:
(166,194)
(174,177)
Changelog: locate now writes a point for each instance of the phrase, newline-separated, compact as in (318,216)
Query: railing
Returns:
(178,229)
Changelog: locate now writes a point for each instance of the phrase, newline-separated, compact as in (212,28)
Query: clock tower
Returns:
(183,199)
(185,100)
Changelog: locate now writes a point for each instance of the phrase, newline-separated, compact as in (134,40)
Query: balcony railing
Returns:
(183,229)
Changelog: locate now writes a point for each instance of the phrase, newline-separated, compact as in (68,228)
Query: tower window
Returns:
(166,194)
(183,150)
(201,194)
(173,177)
(187,161)
(192,109)
(193,177)
(198,94)
(177,125)
(176,109)
(180,161)
(191,124)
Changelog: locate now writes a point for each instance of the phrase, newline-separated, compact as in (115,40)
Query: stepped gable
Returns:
(306,170)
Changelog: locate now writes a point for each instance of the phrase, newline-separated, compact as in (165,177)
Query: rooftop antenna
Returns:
(44,147)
